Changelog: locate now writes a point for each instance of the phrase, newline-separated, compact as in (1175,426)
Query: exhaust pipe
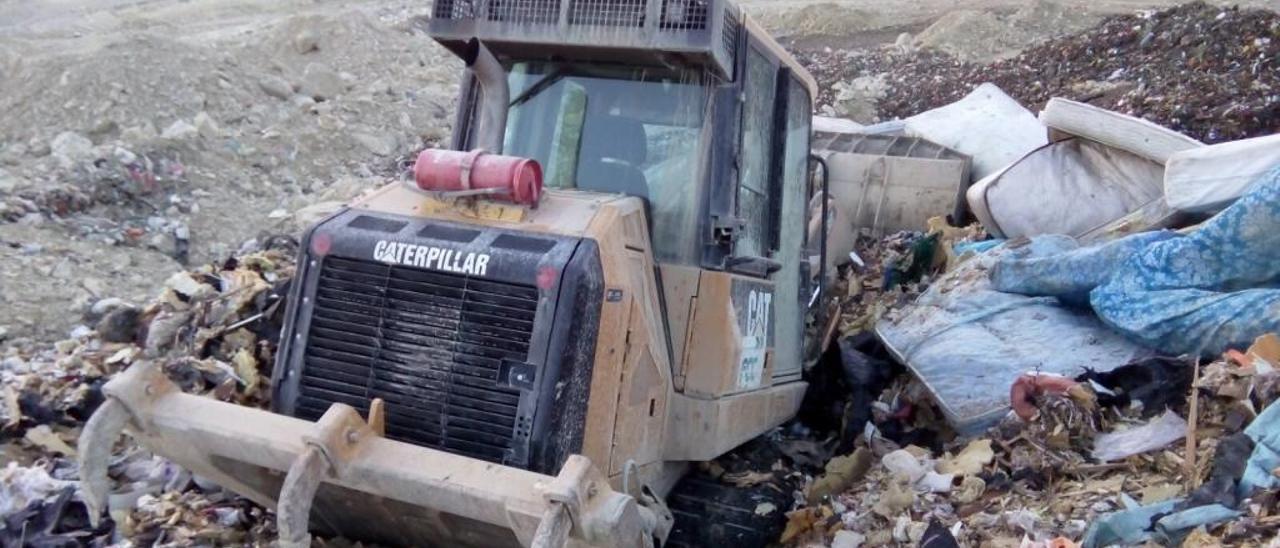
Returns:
(495,96)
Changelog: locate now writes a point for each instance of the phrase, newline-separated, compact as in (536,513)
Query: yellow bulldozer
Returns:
(531,339)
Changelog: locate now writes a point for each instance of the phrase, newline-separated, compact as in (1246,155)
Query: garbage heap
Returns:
(213,330)
(1092,363)
(1207,71)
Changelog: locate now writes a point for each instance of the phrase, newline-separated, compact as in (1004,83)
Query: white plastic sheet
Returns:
(20,485)
(1158,433)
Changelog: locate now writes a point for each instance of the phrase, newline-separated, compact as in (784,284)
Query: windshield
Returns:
(630,130)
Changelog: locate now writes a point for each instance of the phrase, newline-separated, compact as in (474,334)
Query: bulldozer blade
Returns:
(340,476)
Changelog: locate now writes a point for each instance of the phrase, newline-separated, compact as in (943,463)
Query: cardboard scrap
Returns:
(1159,492)
(44,437)
(840,473)
(970,461)
(1267,349)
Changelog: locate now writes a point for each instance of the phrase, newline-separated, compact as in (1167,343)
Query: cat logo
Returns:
(434,258)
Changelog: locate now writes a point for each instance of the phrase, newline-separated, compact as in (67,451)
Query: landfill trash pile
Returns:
(1076,457)
(1094,363)
(1038,482)
(1201,70)
(1061,470)
(214,330)
(896,268)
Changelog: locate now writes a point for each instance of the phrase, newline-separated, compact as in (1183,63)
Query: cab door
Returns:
(773,166)
(792,130)
(746,313)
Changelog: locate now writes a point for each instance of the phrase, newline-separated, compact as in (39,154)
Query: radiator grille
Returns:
(428,343)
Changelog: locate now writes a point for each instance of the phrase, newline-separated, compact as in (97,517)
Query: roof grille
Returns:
(700,32)
(611,13)
(683,15)
(454,9)
(528,11)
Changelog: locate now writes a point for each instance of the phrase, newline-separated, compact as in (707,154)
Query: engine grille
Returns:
(428,343)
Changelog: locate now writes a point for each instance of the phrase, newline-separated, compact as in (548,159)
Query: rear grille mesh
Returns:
(454,9)
(729,37)
(612,13)
(684,15)
(524,11)
(428,343)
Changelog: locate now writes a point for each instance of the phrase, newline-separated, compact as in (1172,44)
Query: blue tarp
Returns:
(1129,526)
(1202,293)
(968,342)
(1161,522)
(1265,432)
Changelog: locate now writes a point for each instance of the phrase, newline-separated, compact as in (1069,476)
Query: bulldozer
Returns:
(530,339)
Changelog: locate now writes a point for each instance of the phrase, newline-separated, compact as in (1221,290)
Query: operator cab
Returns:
(701,115)
(687,105)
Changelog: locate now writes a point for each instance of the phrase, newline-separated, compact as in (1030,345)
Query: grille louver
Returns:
(683,15)
(454,9)
(613,13)
(524,11)
(729,37)
(699,32)
(428,343)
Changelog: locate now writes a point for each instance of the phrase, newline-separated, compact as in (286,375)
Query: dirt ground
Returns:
(138,134)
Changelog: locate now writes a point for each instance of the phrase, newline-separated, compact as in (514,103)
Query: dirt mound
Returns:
(1205,71)
(983,36)
(823,19)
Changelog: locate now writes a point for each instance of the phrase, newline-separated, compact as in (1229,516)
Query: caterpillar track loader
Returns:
(529,341)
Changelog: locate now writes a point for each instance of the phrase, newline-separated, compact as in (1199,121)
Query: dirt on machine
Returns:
(530,339)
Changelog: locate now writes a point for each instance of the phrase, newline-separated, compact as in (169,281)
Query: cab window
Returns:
(754,196)
(631,130)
